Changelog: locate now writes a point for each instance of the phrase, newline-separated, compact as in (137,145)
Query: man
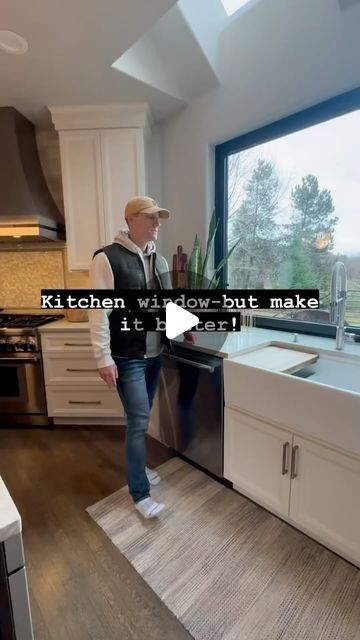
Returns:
(131,361)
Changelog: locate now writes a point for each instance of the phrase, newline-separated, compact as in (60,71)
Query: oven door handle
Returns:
(10,360)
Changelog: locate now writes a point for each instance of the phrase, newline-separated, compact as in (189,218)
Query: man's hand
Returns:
(190,337)
(109,374)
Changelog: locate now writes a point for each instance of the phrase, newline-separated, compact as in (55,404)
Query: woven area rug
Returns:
(227,568)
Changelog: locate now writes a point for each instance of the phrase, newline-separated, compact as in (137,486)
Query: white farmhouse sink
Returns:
(321,400)
(336,371)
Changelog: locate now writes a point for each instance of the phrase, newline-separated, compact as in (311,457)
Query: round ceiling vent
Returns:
(11,42)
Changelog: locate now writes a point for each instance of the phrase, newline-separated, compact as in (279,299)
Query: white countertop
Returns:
(234,344)
(10,521)
(32,311)
(239,342)
(64,325)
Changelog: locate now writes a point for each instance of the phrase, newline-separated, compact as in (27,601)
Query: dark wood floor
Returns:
(81,587)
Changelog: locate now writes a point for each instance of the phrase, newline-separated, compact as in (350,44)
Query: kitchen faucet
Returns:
(338,301)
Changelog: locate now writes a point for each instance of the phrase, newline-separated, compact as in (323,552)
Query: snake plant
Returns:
(197,270)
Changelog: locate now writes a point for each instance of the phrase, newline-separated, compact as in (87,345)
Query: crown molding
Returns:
(111,116)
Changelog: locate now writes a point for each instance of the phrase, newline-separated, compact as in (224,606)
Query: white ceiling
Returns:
(172,56)
(72,45)
(166,55)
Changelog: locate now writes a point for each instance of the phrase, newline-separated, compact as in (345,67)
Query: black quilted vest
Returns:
(128,271)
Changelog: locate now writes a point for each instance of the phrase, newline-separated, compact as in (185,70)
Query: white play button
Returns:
(178,320)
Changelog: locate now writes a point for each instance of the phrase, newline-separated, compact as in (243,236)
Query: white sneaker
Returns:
(149,508)
(152,476)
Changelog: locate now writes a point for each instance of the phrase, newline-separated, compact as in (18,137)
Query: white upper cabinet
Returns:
(123,171)
(83,195)
(103,165)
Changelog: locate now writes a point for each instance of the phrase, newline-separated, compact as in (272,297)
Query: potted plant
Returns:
(198,272)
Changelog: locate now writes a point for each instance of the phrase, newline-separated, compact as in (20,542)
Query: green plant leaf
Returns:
(226,258)
(197,268)
(214,223)
(194,269)
(214,282)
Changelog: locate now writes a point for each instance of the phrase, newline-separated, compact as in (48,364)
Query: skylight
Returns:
(231,6)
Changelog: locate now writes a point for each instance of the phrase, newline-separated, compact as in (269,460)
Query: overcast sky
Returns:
(330,151)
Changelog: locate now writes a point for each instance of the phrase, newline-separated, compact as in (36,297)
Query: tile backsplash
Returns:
(24,273)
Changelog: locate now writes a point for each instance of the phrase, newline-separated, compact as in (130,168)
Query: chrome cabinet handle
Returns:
(77,370)
(285,470)
(293,462)
(76,344)
(84,401)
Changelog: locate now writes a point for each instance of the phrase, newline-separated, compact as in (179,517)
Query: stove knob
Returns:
(10,346)
(30,346)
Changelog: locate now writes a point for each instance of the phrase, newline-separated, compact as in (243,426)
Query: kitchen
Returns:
(292,469)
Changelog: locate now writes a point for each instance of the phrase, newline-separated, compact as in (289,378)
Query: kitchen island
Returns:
(10,521)
(15,614)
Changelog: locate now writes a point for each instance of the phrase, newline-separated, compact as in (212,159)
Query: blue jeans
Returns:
(136,384)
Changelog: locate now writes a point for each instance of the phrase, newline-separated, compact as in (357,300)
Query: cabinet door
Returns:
(325,497)
(123,169)
(83,196)
(20,605)
(257,460)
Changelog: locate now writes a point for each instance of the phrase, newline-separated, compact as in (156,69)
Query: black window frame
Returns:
(322,112)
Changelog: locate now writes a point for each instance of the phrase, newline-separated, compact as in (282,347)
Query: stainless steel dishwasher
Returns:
(191,406)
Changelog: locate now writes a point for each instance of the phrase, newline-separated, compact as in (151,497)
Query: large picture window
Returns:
(290,194)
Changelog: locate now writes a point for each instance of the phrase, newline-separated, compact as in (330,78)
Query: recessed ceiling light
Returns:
(11,42)
(231,6)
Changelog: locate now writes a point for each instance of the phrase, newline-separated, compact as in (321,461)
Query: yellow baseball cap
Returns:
(143,204)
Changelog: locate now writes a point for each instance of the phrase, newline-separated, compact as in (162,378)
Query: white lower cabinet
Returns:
(257,458)
(325,494)
(73,386)
(311,485)
(64,369)
(65,402)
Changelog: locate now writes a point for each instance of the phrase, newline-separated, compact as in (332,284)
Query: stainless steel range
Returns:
(22,387)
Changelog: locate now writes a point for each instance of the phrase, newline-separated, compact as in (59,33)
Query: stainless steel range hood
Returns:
(28,212)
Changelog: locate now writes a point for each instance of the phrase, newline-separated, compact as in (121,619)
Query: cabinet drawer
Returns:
(76,368)
(67,341)
(76,402)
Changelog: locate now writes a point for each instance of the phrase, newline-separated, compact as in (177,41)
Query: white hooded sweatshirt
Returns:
(101,277)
